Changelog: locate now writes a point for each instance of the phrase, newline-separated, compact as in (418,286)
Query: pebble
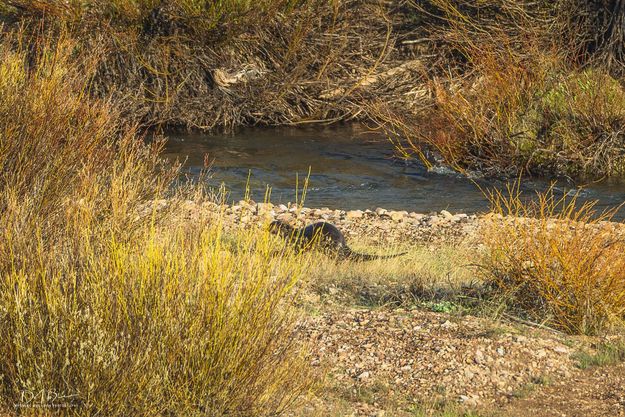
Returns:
(447,215)
(354,214)
(380,211)
(363,376)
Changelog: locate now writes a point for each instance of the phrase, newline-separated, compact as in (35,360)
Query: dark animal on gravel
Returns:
(324,235)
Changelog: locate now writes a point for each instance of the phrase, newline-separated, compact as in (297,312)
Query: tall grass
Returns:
(110,303)
(556,261)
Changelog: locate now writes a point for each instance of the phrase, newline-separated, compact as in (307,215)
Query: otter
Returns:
(325,235)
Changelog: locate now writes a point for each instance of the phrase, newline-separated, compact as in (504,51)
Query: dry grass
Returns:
(424,276)
(556,261)
(109,303)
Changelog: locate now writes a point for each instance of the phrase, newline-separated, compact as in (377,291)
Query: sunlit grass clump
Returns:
(112,303)
(556,261)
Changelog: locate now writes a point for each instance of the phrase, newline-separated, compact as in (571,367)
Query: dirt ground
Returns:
(387,362)
(382,351)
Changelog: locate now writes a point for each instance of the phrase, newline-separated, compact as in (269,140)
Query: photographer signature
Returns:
(46,397)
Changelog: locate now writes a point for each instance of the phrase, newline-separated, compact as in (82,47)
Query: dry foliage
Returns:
(111,304)
(511,94)
(556,260)
(232,63)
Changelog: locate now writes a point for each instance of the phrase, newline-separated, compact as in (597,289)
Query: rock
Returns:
(398,216)
(448,325)
(285,217)
(282,207)
(354,214)
(434,221)
(561,349)
(363,376)
(479,357)
(381,212)
(416,216)
(264,206)
(460,218)
(447,215)
(249,204)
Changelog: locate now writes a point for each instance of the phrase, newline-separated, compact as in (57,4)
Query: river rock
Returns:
(398,216)
(245,204)
(447,215)
(285,217)
(264,207)
(416,216)
(461,218)
(381,212)
(354,214)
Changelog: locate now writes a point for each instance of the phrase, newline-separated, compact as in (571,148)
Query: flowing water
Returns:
(349,169)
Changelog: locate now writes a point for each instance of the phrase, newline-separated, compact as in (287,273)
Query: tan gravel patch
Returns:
(427,355)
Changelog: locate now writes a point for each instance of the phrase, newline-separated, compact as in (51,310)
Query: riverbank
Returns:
(110,267)
(414,335)
(422,73)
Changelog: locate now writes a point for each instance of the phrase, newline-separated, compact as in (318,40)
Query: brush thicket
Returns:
(107,294)
(556,260)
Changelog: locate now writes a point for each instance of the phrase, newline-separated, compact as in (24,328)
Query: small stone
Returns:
(561,349)
(380,211)
(501,351)
(461,218)
(479,357)
(363,376)
(282,207)
(354,214)
(285,217)
(434,220)
(448,325)
(447,215)
(398,216)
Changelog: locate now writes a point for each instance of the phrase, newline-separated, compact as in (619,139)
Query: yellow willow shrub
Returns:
(182,321)
(110,303)
(556,260)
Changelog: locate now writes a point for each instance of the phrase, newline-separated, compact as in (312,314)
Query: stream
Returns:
(350,169)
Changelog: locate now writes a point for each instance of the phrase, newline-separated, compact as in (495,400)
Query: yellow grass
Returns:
(111,303)
(425,273)
(557,260)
